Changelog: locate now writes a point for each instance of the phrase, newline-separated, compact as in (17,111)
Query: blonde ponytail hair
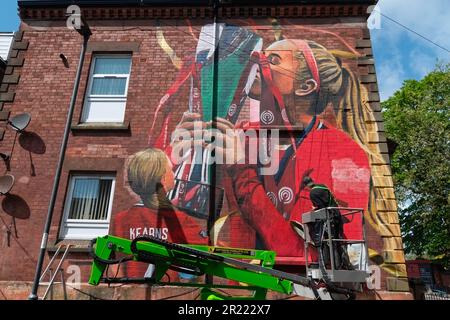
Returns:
(145,171)
(339,86)
(350,102)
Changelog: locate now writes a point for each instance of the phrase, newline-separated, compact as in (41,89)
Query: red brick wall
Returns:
(45,89)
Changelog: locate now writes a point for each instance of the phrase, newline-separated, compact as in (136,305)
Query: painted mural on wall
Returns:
(249,79)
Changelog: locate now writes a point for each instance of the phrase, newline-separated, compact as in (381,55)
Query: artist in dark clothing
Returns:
(321,197)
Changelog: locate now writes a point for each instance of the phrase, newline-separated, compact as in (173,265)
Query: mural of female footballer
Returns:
(292,83)
(310,89)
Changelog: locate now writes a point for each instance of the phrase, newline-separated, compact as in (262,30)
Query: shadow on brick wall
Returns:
(16,207)
(33,143)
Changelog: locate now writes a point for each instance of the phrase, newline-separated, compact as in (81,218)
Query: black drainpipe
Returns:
(86,33)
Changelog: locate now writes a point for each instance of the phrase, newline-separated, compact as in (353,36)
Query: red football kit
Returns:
(166,224)
(329,156)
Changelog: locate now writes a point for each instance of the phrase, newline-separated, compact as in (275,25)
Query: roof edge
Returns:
(171,3)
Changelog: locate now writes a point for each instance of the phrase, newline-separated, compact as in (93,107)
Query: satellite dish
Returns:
(6,183)
(5,156)
(20,122)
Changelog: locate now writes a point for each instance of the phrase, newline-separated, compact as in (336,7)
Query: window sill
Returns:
(102,126)
(75,246)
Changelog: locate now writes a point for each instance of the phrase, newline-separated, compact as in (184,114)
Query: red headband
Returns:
(311,61)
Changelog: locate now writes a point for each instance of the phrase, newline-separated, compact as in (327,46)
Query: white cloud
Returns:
(421,63)
(430,19)
(390,77)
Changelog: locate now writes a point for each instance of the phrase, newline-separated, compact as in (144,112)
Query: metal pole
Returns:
(58,268)
(212,169)
(48,222)
(50,263)
(330,241)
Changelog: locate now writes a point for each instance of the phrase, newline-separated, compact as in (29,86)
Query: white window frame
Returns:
(104,98)
(85,229)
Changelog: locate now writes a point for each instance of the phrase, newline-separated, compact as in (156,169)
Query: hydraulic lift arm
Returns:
(238,264)
(226,263)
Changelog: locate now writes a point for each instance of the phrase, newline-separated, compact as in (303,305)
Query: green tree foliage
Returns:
(417,118)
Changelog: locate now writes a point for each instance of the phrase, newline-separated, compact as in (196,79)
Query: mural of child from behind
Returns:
(150,176)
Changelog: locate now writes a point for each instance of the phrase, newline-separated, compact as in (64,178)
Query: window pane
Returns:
(109,86)
(104,111)
(112,66)
(90,199)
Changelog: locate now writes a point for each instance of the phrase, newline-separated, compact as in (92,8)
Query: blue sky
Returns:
(399,54)
(402,55)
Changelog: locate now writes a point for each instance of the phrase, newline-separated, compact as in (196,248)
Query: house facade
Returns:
(150,63)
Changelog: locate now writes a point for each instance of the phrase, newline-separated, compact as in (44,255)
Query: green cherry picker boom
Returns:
(322,280)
